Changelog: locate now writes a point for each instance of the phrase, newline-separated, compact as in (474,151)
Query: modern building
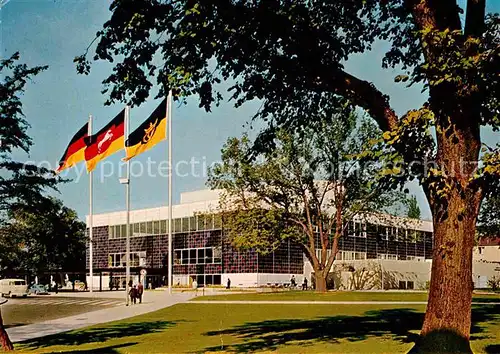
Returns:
(395,252)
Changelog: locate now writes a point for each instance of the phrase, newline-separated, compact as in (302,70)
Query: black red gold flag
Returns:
(75,151)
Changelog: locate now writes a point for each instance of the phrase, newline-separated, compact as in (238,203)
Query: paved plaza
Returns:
(114,309)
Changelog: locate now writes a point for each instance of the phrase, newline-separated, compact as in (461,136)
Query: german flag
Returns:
(105,142)
(149,133)
(75,151)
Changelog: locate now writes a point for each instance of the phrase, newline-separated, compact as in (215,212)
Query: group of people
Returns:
(135,292)
(293,283)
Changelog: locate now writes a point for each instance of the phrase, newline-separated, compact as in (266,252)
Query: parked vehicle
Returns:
(13,287)
(38,289)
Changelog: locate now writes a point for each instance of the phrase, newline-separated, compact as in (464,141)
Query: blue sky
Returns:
(58,102)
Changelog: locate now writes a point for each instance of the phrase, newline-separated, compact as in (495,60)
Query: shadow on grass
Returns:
(97,334)
(493,349)
(112,349)
(397,324)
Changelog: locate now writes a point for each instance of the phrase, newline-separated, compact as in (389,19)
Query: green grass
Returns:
(336,296)
(199,328)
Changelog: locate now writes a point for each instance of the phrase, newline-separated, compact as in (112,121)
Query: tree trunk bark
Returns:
(320,280)
(448,316)
(447,322)
(4,337)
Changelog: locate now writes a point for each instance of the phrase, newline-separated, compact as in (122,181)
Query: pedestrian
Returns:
(140,291)
(304,284)
(228,283)
(133,295)
(293,282)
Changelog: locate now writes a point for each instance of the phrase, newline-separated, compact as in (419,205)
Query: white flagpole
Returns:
(169,115)
(91,248)
(127,197)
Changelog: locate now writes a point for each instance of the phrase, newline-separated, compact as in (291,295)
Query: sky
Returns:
(58,102)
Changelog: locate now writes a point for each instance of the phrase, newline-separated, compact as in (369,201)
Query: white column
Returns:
(170,248)
(91,231)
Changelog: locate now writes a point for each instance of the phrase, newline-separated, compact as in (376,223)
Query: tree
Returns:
(413,208)
(46,240)
(291,54)
(309,189)
(489,217)
(21,185)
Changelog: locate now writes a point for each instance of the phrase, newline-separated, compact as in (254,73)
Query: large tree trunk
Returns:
(320,281)
(4,337)
(447,322)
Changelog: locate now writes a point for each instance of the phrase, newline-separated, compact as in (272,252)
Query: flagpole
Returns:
(127,197)
(169,114)
(91,231)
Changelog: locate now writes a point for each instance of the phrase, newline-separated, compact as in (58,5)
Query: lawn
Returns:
(199,328)
(337,296)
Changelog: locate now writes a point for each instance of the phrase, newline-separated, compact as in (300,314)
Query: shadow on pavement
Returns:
(112,349)
(396,323)
(97,334)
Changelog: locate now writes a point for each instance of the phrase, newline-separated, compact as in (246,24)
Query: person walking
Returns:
(133,295)
(140,291)
(293,283)
(304,284)
(228,283)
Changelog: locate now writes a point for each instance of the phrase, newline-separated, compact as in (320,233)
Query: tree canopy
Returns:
(49,239)
(413,208)
(291,56)
(22,184)
(311,189)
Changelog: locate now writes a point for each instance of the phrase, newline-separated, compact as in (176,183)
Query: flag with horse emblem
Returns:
(105,142)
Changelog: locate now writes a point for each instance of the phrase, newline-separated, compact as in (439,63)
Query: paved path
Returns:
(153,301)
(237,302)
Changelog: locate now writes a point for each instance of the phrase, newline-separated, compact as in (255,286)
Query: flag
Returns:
(105,142)
(149,133)
(75,151)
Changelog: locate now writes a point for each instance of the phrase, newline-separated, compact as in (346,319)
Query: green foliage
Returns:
(21,184)
(36,231)
(48,239)
(489,217)
(309,187)
(413,208)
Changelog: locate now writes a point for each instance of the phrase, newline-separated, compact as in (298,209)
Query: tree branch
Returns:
(365,95)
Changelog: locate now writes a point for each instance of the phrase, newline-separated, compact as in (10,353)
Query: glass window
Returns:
(177,225)
(200,222)
(217,255)
(409,285)
(201,256)
(185,257)
(123,231)
(208,256)
(217,279)
(177,257)
(185,224)
(111,232)
(209,279)
(192,256)
(136,229)
(217,221)
(371,228)
(192,223)
(156,227)
(163,227)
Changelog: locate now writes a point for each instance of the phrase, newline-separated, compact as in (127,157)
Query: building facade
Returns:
(201,251)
